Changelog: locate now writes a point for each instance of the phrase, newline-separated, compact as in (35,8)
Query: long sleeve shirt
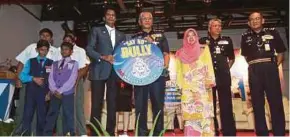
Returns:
(63,79)
(25,76)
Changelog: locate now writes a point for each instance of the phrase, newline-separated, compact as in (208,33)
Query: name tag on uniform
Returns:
(267,47)
(47,69)
(266,37)
(70,65)
(218,50)
(223,42)
(155,42)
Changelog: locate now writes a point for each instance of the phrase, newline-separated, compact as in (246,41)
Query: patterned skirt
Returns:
(201,127)
(197,111)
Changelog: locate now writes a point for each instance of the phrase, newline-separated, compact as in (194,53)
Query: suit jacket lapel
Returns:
(106,32)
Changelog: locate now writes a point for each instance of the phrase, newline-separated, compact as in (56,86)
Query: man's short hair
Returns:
(46,30)
(256,12)
(71,35)
(42,43)
(213,20)
(109,8)
(141,14)
(67,44)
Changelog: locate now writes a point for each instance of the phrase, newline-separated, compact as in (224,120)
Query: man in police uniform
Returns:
(156,90)
(221,48)
(259,46)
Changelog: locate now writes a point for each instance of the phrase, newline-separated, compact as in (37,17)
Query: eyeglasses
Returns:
(146,19)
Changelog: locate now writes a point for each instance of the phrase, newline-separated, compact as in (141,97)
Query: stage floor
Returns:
(180,133)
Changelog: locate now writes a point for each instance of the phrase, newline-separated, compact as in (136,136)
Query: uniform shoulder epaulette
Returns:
(204,40)
(225,37)
(137,34)
(246,33)
(158,31)
(269,28)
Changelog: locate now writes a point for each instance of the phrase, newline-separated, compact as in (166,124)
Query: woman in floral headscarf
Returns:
(195,77)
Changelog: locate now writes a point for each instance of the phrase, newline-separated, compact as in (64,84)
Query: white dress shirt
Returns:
(30,52)
(79,55)
(112,34)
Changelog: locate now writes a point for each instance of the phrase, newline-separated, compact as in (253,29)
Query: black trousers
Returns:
(226,110)
(264,78)
(156,92)
(97,98)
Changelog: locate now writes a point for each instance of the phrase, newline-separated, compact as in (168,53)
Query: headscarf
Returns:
(189,53)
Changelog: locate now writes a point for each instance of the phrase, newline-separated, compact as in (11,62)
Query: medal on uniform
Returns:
(218,50)
(267,47)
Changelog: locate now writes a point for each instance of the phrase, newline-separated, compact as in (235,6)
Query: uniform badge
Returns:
(267,37)
(207,42)
(155,42)
(249,39)
(153,36)
(267,47)
(223,42)
(156,35)
(218,50)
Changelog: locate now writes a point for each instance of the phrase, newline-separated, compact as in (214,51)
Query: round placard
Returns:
(138,62)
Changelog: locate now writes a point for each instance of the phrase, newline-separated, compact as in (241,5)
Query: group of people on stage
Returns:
(47,73)
(203,73)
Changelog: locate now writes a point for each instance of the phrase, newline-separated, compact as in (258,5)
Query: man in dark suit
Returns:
(101,43)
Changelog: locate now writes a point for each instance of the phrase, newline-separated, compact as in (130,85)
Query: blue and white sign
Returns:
(138,62)
(6,94)
(172,99)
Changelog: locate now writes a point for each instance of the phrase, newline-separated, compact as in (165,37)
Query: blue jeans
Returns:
(67,102)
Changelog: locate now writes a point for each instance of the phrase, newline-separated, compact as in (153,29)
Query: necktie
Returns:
(61,64)
(41,61)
